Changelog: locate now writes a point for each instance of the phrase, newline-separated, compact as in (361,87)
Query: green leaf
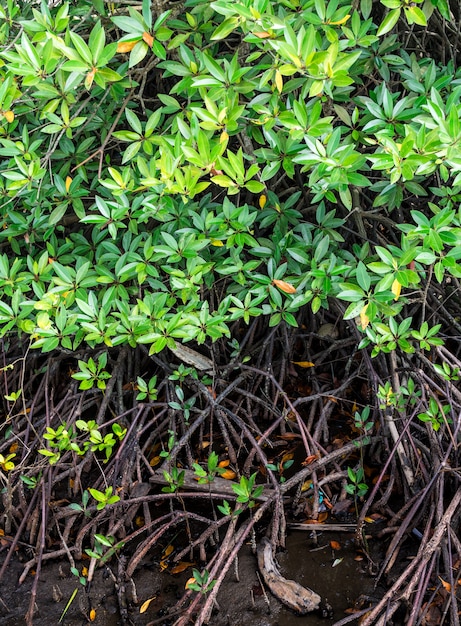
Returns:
(389,22)
(225,28)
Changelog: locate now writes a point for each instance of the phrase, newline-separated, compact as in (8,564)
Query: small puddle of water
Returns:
(341,584)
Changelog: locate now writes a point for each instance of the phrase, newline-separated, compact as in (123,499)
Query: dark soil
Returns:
(241,601)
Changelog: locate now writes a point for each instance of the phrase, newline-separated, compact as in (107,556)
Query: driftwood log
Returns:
(293,595)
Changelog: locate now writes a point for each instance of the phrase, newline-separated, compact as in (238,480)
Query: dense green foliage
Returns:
(137,215)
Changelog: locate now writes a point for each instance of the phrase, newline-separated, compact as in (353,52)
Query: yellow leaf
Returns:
(340,22)
(262,201)
(139,521)
(92,615)
(9,115)
(278,81)
(217,243)
(364,319)
(145,605)
(224,463)
(304,363)
(155,460)
(84,571)
(396,289)
(307,485)
(284,286)
(189,582)
(126,46)
(68,182)
(224,137)
(147,38)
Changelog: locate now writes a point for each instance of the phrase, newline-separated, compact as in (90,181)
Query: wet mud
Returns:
(335,575)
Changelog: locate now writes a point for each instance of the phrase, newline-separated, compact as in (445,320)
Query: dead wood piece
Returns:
(296,597)
(321,527)
(217,486)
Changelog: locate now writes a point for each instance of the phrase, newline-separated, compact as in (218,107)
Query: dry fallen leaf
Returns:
(310,459)
(92,615)
(180,567)
(168,550)
(335,545)
(304,363)
(145,605)
(228,475)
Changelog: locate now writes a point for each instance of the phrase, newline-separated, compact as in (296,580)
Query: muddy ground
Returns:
(335,574)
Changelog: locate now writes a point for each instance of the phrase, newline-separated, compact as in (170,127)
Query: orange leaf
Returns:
(228,475)
(189,582)
(145,605)
(92,615)
(335,545)
(224,463)
(262,35)
(126,46)
(284,286)
(180,567)
(310,459)
(168,550)
(445,585)
(304,363)
(155,460)
(147,38)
